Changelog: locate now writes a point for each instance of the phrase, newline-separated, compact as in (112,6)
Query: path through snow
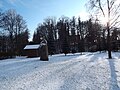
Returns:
(91,71)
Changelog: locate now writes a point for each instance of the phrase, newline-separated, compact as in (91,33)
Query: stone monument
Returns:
(43,50)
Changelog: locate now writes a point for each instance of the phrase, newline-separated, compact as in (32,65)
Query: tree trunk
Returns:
(108,29)
(109,41)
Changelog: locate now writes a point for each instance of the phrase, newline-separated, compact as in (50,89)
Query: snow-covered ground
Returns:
(90,71)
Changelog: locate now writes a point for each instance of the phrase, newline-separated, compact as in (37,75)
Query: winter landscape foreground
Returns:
(90,71)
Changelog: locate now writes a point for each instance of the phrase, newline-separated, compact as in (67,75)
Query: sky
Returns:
(35,11)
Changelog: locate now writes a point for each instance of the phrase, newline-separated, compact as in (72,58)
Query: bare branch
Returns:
(117,8)
(101,8)
(115,20)
(112,3)
(117,25)
(113,25)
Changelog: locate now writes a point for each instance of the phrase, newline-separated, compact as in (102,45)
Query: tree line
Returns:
(14,34)
(70,35)
(96,38)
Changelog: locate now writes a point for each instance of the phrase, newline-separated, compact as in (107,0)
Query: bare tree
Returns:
(8,23)
(110,9)
(14,24)
(63,29)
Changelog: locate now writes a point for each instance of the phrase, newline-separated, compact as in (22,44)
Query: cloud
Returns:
(17,2)
(1,4)
(24,3)
(12,1)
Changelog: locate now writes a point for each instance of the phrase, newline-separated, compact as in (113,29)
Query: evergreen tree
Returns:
(65,46)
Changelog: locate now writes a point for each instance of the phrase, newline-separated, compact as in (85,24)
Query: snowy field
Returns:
(90,71)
